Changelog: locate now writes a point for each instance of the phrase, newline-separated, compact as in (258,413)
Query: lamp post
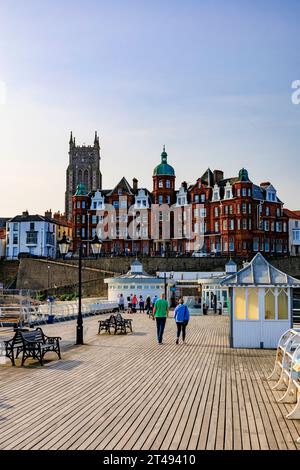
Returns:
(96,247)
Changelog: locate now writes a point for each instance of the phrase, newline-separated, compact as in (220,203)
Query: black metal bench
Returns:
(117,322)
(105,325)
(127,321)
(33,344)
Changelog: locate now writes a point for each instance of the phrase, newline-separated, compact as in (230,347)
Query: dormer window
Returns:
(216,193)
(228,191)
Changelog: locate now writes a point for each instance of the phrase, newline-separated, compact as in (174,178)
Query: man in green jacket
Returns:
(161,312)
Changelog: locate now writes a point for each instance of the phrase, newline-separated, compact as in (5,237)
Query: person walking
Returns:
(160,313)
(148,305)
(182,317)
(121,303)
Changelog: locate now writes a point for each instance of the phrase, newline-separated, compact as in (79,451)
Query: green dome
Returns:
(81,190)
(164,169)
(243,175)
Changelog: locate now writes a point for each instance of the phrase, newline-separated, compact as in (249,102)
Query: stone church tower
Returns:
(84,167)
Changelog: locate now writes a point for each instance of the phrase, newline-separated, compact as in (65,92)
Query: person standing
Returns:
(121,303)
(134,303)
(160,313)
(141,304)
(182,317)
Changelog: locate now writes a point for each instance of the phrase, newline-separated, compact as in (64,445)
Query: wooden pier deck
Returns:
(126,392)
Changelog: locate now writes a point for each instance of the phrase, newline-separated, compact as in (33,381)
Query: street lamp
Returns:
(96,247)
(64,245)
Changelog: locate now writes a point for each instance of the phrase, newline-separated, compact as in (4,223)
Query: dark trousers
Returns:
(181,327)
(160,324)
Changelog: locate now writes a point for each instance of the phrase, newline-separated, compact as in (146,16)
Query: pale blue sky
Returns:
(210,79)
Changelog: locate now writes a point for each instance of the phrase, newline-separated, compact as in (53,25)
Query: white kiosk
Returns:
(261,304)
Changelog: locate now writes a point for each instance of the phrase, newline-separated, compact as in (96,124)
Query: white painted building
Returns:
(294,232)
(136,282)
(30,234)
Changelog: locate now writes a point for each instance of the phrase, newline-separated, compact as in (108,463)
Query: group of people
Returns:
(136,303)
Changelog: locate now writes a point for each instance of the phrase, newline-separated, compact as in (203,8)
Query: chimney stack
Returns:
(218,176)
(25,214)
(135,185)
(48,214)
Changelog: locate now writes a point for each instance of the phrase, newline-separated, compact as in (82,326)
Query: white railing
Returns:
(61,311)
(287,371)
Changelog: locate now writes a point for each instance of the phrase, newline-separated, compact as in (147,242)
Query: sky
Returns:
(212,80)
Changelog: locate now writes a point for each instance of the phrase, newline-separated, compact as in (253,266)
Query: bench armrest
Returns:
(57,338)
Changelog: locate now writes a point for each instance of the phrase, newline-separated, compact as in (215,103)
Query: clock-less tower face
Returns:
(84,168)
(164,182)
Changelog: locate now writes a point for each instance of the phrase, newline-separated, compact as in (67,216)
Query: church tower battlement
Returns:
(84,167)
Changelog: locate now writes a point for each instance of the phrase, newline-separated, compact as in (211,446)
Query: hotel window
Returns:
(217,227)
(168,184)
(226,210)
(160,184)
(160,200)
(168,199)
(16,226)
(116,204)
(238,192)
(272,226)
(83,219)
(83,233)
(83,205)
(15,239)
(249,192)
(267,226)
(250,209)
(284,226)
(230,209)
(238,209)
(244,208)
(231,244)
(239,224)
(78,204)
(267,211)
(278,226)
(202,197)
(225,225)
(124,204)
(216,195)
(255,244)
(196,198)
(267,245)
(278,212)
(249,224)
(216,212)
(203,213)
(244,192)
(231,224)
(245,227)
(94,219)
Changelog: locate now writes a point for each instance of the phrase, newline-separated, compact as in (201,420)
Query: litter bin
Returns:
(50,320)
